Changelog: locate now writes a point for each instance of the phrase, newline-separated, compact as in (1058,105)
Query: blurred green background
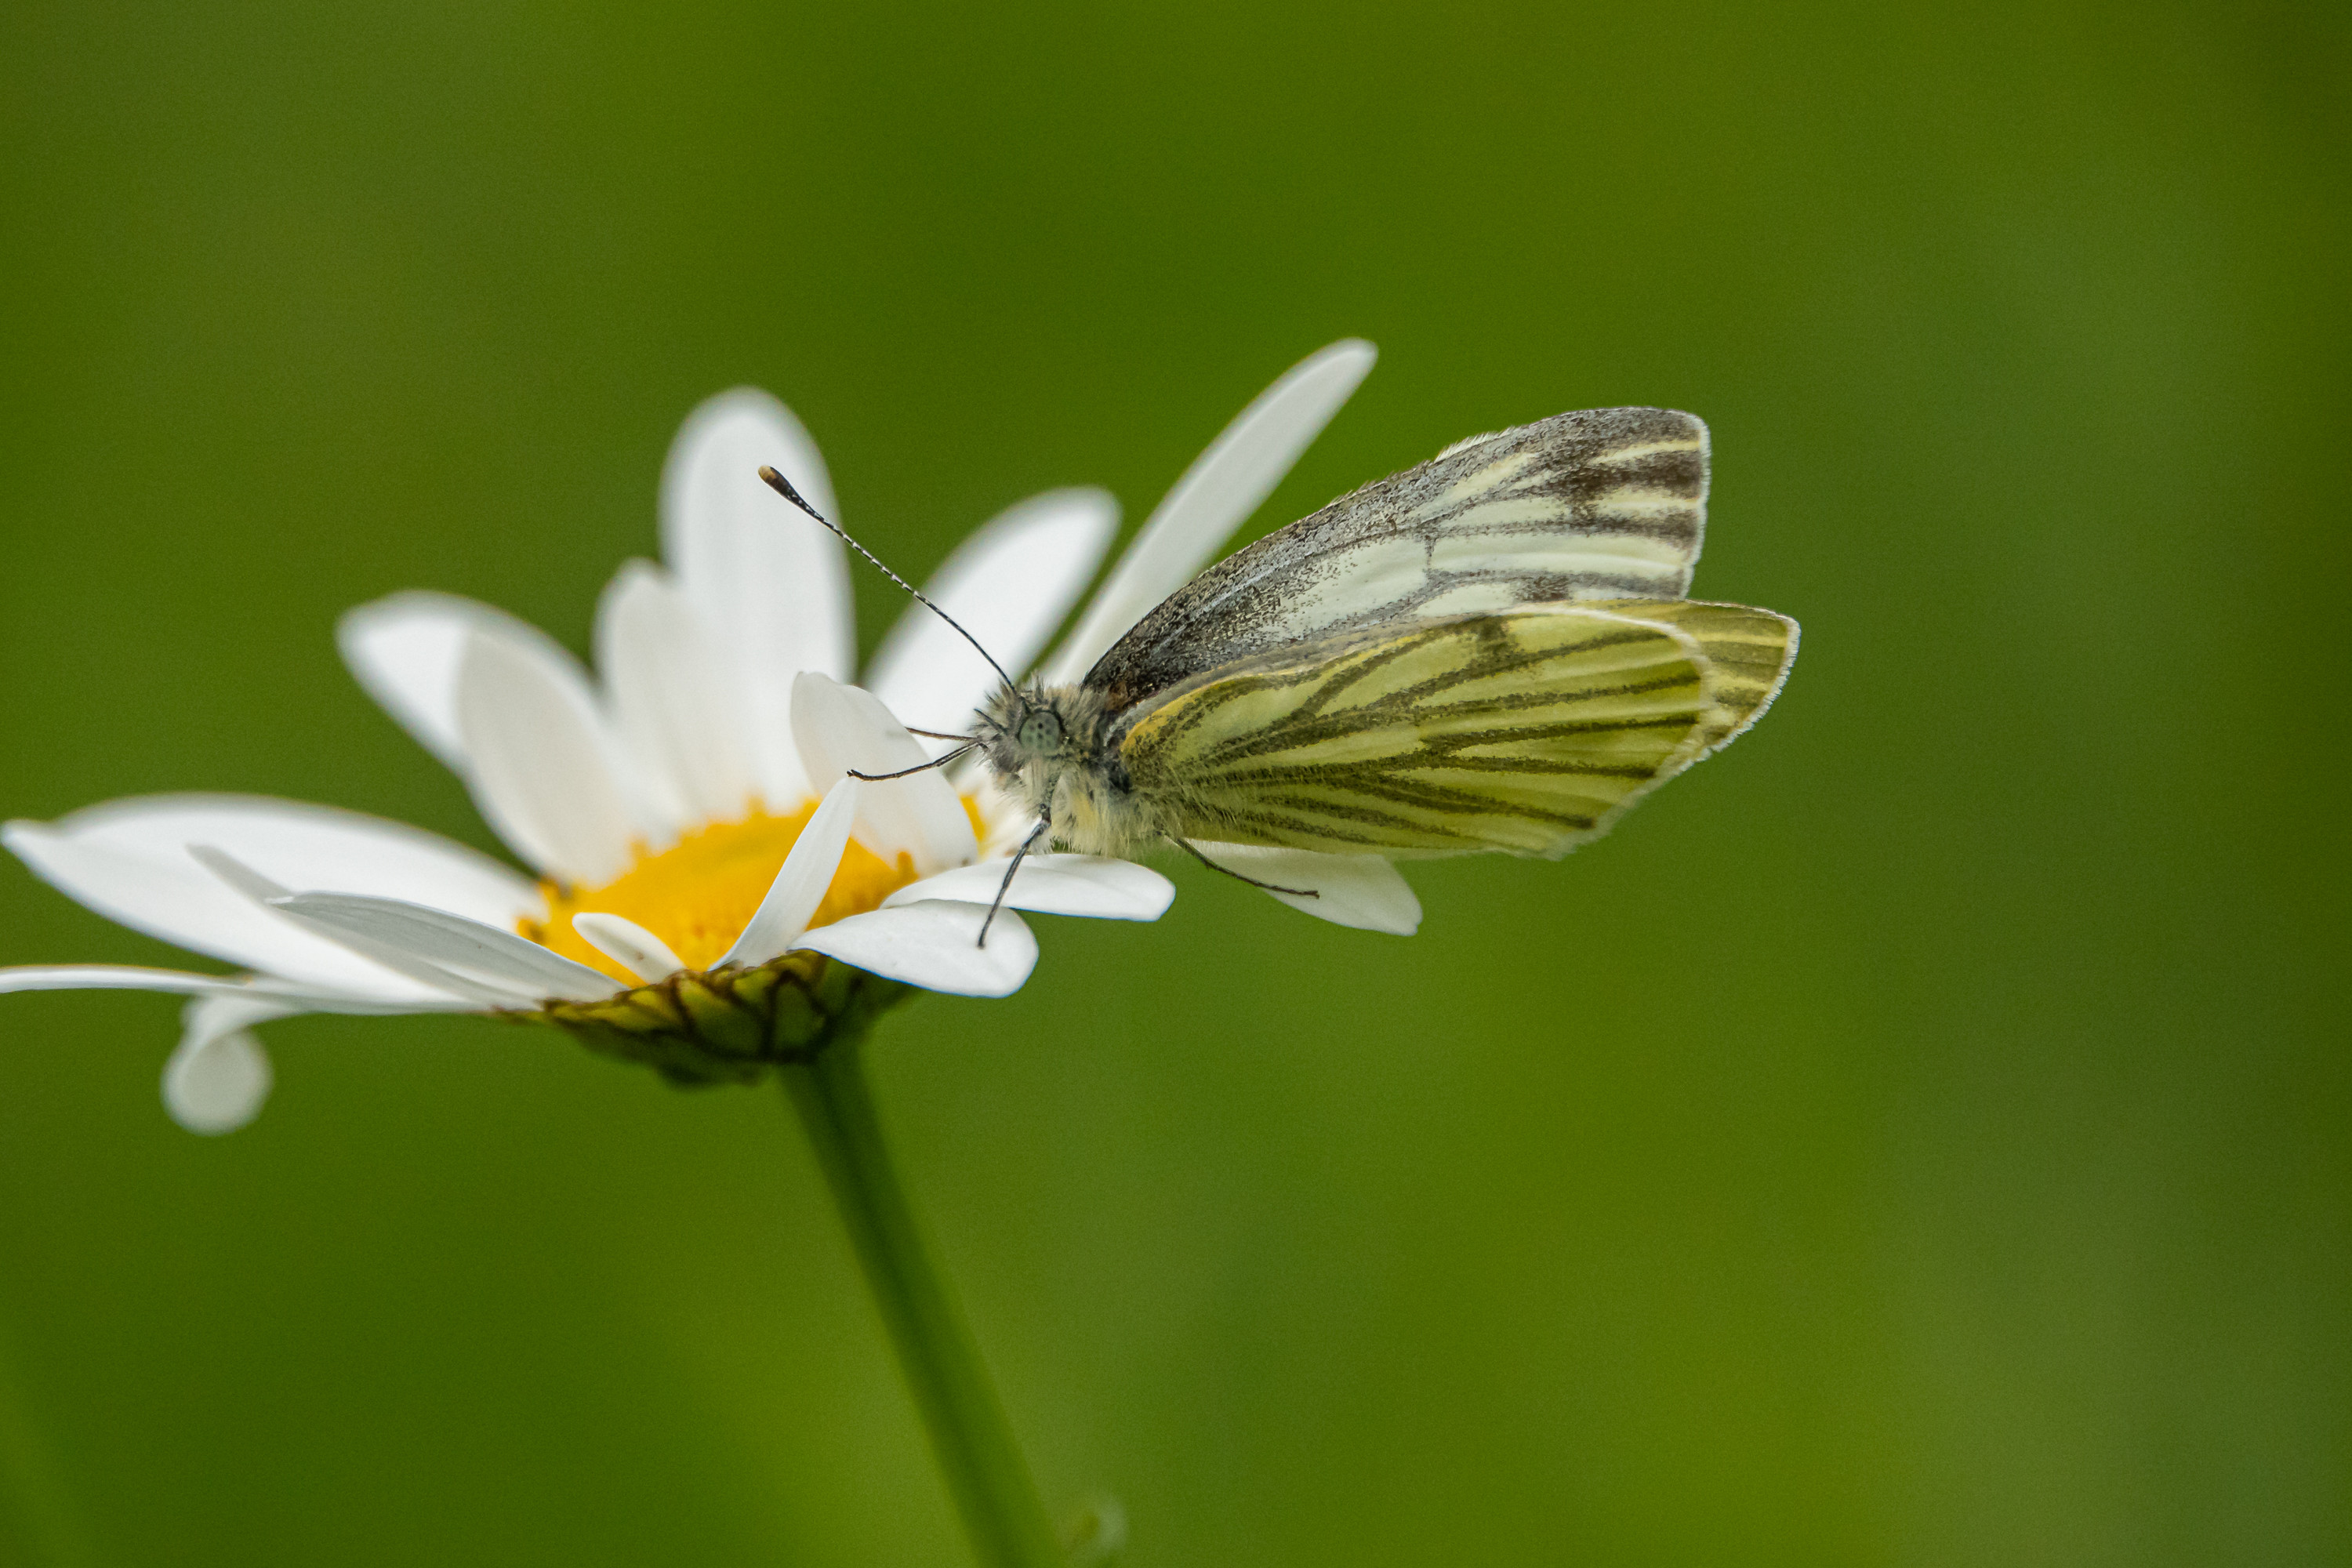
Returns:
(1919,1137)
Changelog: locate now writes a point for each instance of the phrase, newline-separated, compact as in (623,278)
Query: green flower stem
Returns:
(984,1468)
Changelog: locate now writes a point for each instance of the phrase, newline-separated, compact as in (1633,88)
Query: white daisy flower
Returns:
(714,894)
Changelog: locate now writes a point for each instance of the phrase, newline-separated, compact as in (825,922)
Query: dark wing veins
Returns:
(1549,481)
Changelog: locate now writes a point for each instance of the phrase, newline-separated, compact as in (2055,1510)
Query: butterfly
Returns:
(1491,652)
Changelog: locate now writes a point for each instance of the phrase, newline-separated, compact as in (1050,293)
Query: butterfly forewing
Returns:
(1600,504)
(1526,733)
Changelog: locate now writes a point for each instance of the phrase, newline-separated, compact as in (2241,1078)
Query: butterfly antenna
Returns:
(783,486)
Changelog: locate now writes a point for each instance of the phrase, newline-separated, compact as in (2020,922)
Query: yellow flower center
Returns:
(699,894)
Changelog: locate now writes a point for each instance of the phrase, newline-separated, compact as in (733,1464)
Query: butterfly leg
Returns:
(1006,885)
(1186,845)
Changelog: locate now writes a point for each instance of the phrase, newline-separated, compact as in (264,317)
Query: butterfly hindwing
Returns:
(1749,652)
(1528,732)
(1605,503)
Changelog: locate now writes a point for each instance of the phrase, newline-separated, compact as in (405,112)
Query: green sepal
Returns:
(728,1026)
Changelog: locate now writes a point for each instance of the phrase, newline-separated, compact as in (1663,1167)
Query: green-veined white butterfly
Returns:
(1490,651)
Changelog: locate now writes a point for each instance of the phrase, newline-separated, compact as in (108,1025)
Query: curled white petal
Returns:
(1360,890)
(933,944)
(1009,585)
(770,587)
(217,1085)
(218,1078)
(454,942)
(668,707)
(628,944)
(800,885)
(1218,492)
(840,729)
(1094,885)
(540,770)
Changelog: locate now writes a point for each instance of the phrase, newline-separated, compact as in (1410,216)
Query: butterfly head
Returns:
(1036,737)
(1026,727)
(1039,731)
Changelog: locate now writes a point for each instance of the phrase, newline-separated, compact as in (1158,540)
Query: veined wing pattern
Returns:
(1528,732)
(1604,503)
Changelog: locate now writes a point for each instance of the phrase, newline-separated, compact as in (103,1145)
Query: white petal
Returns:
(1009,585)
(217,1080)
(123,977)
(454,942)
(539,771)
(409,651)
(1096,885)
(630,945)
(771,586)
(668,699)
(838,729)
(934,945)
(1216,496)
(315,848)
(800,886)
(116,977)
(124,860)
(1005,819)
(406,649)
(1361,890)
(456,988)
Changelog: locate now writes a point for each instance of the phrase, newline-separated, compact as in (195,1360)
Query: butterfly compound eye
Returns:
(1040,730)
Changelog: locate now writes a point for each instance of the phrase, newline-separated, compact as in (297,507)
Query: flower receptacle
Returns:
(728,1026)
